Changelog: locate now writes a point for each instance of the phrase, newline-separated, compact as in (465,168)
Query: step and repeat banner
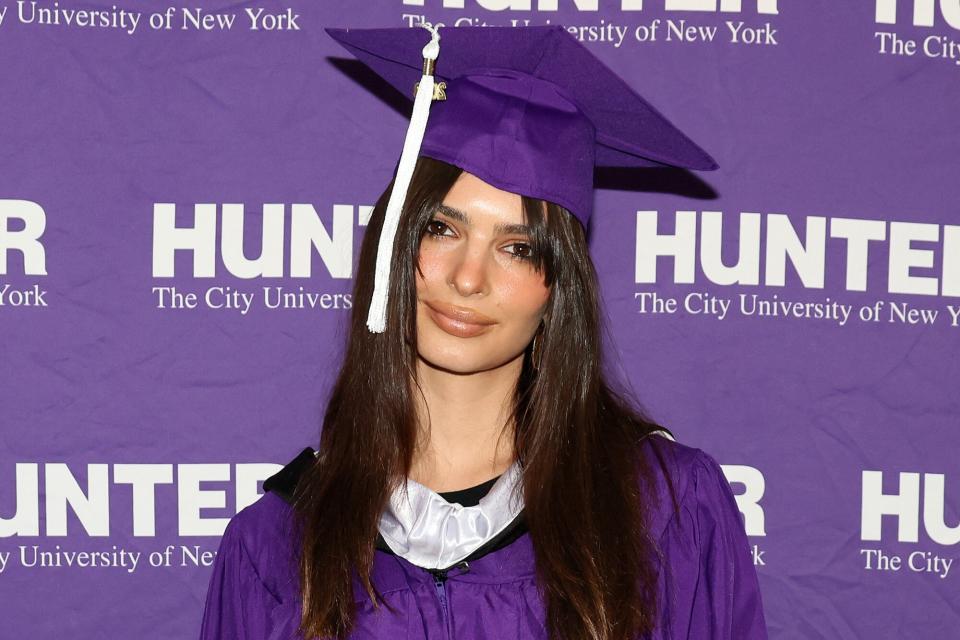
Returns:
(183,192)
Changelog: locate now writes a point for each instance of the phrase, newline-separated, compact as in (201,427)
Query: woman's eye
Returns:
(525,251)
(436,228)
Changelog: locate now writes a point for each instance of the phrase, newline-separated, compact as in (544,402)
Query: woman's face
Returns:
(479,300)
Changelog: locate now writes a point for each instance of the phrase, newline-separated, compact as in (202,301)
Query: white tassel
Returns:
(377,316)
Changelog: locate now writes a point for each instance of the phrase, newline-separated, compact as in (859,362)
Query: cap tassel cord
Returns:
(377,316)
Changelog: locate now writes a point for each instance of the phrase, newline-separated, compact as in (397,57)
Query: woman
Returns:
(580,518)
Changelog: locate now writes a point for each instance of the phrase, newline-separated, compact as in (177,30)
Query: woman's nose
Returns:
(469,271)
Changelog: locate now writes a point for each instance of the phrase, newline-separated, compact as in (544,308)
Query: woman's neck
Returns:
(468,436)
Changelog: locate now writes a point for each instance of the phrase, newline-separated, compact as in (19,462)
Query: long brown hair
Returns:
(576,437)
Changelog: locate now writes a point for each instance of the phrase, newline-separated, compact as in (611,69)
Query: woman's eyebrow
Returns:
(462,217)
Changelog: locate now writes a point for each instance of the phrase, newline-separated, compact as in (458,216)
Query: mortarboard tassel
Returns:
(377,316)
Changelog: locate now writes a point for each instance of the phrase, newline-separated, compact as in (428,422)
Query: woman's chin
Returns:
(461,361)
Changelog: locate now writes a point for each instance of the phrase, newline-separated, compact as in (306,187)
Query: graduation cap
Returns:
(529,110)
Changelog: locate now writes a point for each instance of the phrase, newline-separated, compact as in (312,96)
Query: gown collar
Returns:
(426,530)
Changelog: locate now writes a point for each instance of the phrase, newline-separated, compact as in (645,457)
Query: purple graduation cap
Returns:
(529,110)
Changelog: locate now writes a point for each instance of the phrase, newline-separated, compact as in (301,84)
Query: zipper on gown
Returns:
(439,580)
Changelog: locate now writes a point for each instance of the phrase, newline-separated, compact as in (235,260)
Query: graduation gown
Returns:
(708,585)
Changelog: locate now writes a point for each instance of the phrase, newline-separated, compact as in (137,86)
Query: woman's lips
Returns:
(456,327)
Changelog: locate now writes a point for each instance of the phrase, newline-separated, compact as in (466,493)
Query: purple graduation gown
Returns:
(709,588)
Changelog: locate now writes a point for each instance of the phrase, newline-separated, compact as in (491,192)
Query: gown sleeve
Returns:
(238,604)
(718,592)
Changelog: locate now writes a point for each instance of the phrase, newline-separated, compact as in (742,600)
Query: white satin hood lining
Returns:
(433,533)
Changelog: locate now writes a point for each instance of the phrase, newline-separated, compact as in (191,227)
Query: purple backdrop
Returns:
(795,314)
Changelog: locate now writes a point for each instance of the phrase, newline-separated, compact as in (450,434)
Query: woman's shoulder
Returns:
(712,584)
(262,522)
(271,517)
(263,534)
(254,572)
(683,477)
